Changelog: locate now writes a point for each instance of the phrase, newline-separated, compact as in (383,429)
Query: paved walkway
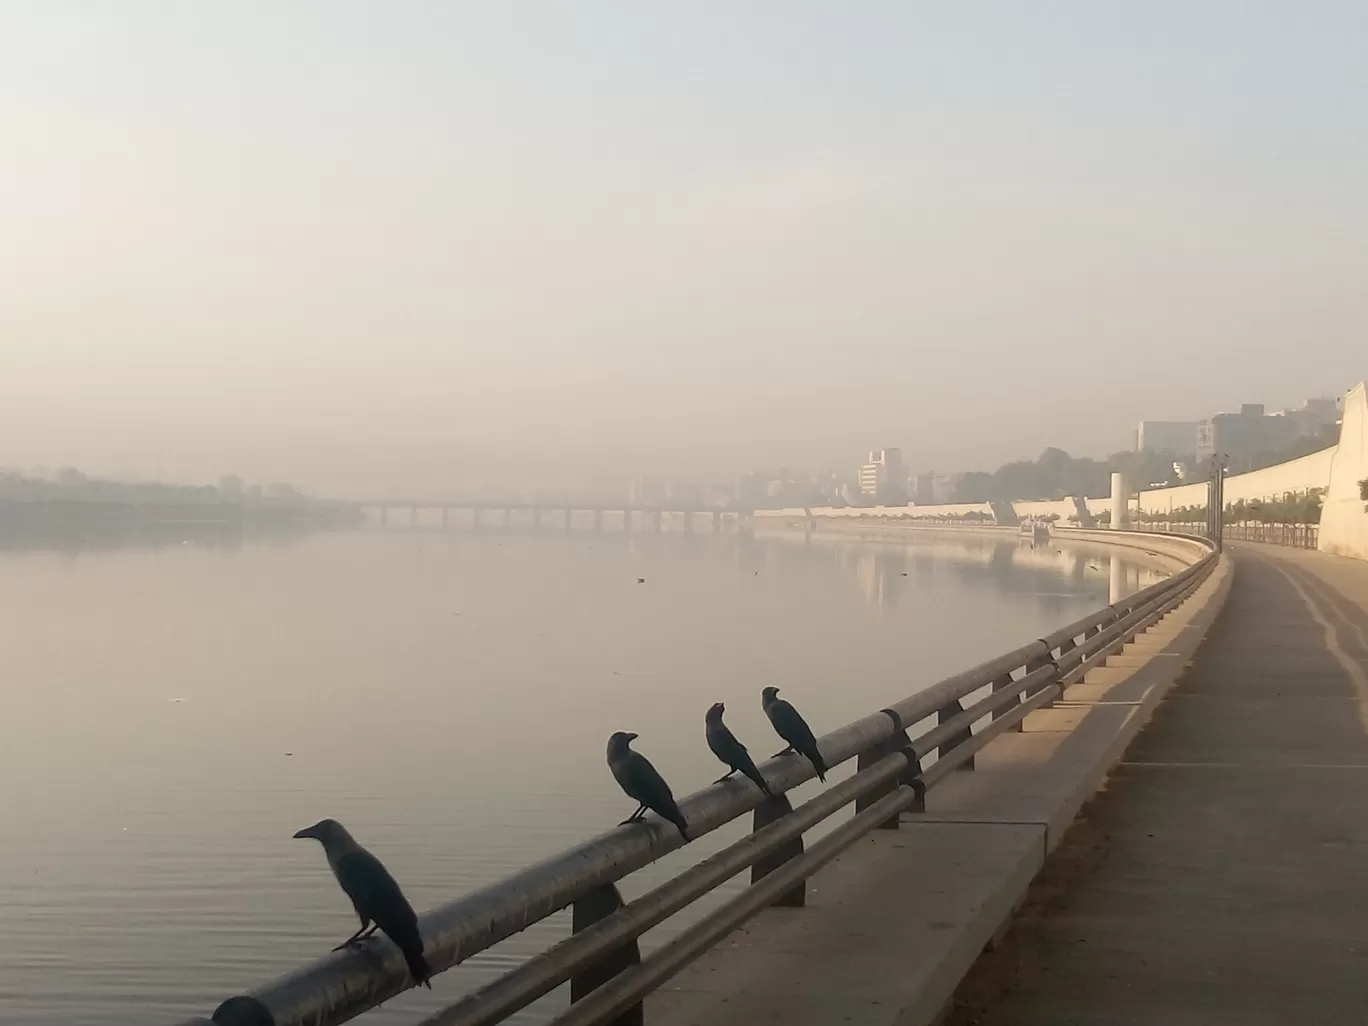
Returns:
(1222,876)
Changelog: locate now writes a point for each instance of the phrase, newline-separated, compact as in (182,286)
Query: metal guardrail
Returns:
(952,720)
(1297,536)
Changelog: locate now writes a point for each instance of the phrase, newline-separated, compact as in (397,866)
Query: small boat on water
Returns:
(1036,530)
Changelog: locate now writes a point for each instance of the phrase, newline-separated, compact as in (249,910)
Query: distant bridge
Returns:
(562,513)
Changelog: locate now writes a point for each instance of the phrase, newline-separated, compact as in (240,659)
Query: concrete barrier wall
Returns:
(1344,522)
(953,509)
(1062,508)
(1300,475)
(1185,550)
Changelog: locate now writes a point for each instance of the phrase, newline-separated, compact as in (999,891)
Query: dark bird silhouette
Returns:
(731,751)
(378,901)
(639,779)
(793,729)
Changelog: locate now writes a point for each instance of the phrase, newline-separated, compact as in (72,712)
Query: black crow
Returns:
(793,729)
(731,751)
(639,779)
(378,901)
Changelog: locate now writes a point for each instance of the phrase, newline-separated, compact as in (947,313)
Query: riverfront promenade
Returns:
(1222,877)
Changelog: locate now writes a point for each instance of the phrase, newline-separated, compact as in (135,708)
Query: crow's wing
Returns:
(373,891)
(724,744)
(644,784)
(791,726)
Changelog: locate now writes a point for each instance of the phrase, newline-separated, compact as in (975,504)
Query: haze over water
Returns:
(172,715)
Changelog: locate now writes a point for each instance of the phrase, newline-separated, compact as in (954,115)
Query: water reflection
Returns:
(174,714)
(73,537)
(884,570)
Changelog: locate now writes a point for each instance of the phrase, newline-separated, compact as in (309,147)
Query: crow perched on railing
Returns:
(793,729)
(731,751)
(378,901)
(639,779)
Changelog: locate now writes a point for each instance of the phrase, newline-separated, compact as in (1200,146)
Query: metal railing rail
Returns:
(1297,536)
(600,958)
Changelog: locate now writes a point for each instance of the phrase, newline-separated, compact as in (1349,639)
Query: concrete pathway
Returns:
(1222,876)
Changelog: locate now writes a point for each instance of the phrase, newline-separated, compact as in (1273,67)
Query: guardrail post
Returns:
(766,813)
(897,742)
(946,713)
(912,778)
(588,909)
(1038,663)
(1005,681)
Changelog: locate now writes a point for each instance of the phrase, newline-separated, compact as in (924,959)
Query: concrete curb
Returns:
(894,924)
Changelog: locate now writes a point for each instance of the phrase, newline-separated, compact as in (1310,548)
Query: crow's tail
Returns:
(417,965)
(756,777)
(681,824)
(818,763)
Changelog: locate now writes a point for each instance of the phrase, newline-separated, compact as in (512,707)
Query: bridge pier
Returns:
(653,517)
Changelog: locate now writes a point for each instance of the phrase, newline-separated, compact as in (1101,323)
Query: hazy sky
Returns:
(375,246)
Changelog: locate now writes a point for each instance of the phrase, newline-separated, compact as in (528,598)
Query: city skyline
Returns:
(374,253)
(854,484)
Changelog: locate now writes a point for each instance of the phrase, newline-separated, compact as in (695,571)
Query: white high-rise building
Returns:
(883,476)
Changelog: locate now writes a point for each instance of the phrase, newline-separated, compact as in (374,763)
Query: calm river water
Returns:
(170,715)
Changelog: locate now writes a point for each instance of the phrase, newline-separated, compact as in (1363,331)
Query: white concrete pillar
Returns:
(1120,502)
(1116,585)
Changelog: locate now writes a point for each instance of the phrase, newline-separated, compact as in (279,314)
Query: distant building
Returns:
(932,489)
(1315,416)
(946,487)
(1251,432)
(883,477)
(1177,436)
(924,488)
